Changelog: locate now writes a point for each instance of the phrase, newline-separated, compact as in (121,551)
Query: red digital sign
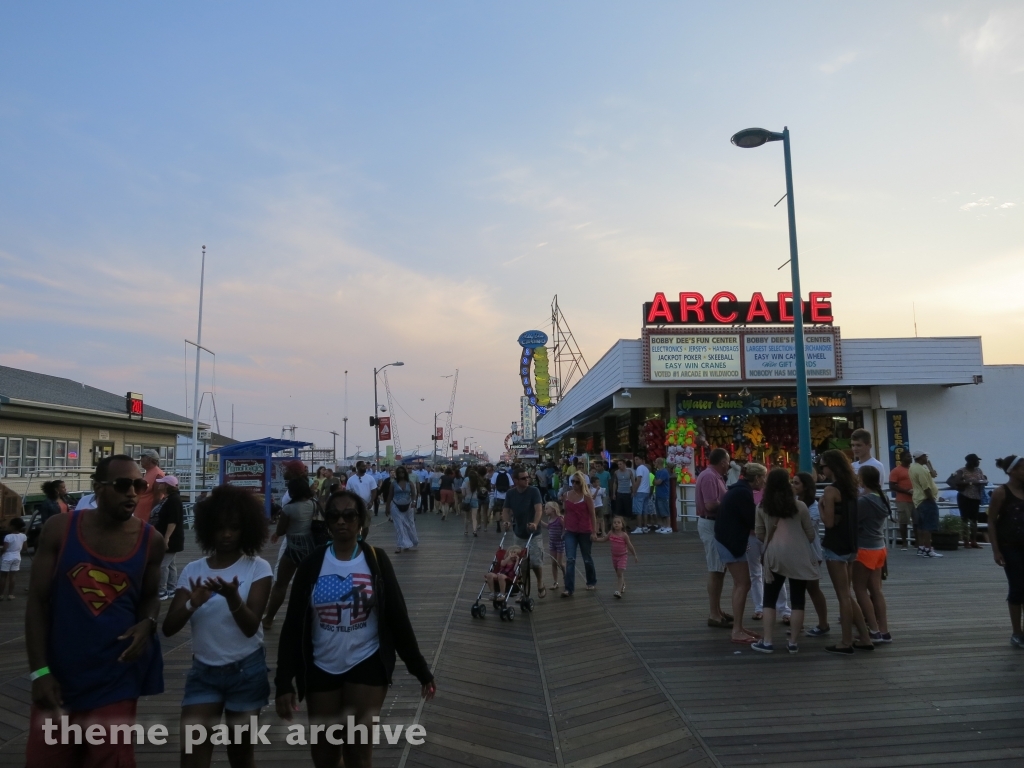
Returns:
(133,404)
(724,308)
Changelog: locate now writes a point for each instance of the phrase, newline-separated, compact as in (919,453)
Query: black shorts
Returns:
(368,672)
(969,508)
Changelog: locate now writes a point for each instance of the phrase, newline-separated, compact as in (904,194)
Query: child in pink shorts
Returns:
(621,548)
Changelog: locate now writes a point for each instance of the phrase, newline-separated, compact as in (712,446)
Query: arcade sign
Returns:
(725,309)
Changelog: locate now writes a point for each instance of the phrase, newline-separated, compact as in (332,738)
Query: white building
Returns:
(954,404)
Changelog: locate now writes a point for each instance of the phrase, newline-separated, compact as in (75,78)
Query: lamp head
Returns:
(398,363)
(754,137)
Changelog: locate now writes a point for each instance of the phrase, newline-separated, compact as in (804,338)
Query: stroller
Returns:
(518,583)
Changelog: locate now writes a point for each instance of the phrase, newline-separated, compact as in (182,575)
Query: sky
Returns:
(416,181)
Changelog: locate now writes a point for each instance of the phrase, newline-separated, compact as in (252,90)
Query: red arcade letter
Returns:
(685,307)
(716,312)
(821,308)
(785,315)
(660,309)
(758,308)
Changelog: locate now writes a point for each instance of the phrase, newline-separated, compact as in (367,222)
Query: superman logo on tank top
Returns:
(97,586)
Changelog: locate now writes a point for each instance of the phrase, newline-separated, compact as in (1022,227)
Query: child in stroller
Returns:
(506,574)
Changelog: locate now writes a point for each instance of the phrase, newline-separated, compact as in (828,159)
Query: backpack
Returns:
(503,483)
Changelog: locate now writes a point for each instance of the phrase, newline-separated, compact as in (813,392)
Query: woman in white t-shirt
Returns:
(223,597)
(14,544)
(346,622)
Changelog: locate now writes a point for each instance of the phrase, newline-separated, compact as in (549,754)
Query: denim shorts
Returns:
(640,503)
(926,516)
(828,555)
(241,686)
(661,506)
(728,557)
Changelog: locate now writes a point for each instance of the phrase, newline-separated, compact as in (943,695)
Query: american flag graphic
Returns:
(334,595)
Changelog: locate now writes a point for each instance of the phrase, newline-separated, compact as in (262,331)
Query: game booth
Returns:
(257,465)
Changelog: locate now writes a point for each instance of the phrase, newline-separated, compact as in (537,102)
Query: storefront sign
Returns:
(245,473)
(734,404)
(535,355)
(899,436)
(725,309)
(773,356)
(765,356)
(689,358)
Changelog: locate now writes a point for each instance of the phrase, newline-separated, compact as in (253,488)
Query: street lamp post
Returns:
(439,413)
(195,395)
(376,406)
(755,137)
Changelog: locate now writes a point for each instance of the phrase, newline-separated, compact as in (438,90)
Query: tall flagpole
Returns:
(195,395)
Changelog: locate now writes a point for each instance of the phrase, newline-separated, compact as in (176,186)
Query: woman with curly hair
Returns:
(345,623)
(223,596)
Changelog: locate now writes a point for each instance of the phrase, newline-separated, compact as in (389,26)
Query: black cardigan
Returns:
(295,649)
(735,516)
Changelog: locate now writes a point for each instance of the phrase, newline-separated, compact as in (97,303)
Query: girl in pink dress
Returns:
(622,547)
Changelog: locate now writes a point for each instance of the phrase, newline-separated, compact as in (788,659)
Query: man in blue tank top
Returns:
(90,625)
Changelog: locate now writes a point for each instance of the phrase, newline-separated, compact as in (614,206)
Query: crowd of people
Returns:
(101,570)
(99,574)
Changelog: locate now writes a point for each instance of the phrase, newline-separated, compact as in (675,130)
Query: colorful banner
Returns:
(439,433)
(384,428)
(899,436)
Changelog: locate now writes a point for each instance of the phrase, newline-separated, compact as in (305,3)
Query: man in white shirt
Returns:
(641,493)
(860,443)
(363,484)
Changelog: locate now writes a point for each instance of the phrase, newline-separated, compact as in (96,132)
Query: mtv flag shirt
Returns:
(346,611)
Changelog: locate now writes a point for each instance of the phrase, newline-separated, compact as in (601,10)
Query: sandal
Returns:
(542,592)
(555,585)
(757,616)
(617,594)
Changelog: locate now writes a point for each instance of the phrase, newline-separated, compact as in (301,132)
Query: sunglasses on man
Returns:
(523,477)
(122,484)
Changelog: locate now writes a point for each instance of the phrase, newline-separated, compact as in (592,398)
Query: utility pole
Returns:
(195,395)
(376,406)
(335,446)
(344,439)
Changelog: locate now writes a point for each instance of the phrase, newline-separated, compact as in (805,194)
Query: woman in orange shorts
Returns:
(872,512)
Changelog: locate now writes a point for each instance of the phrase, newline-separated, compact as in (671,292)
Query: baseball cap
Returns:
(170,480)
(972,457)
(919,454)
(149,453)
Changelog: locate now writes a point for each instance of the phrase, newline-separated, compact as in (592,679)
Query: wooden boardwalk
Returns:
(596,681)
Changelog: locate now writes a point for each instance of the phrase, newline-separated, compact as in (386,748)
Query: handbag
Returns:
(769,577)
(956,480)
(318,526)
(407,494)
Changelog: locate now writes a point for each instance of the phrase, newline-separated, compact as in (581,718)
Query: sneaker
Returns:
(762,647)
(166,596)
(1017,640)
(664,530)
(638,531)
(817,631)
(880,637)
(931,553)
(792,647)
(921,552)
(840,651)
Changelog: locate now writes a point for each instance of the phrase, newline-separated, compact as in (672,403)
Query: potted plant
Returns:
(947,538)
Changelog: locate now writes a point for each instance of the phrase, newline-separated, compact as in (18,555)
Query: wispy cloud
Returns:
(836,63)
(997,43)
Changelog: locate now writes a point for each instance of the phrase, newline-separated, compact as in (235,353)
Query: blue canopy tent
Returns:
(256,465)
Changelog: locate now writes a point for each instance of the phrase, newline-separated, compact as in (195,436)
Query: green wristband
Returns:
(41,672)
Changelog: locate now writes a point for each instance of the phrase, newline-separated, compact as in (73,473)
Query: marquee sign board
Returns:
(709,355)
